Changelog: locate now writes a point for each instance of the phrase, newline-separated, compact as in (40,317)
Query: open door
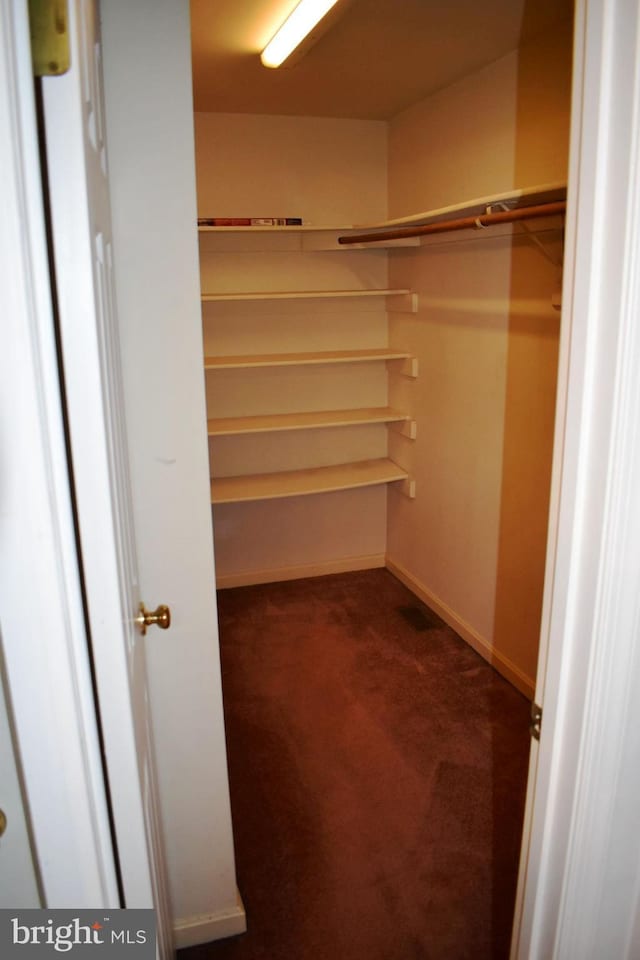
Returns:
(81,237)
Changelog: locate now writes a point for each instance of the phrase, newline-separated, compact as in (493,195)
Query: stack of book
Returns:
(249,221)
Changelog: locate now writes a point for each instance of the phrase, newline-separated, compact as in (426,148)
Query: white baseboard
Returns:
(503,665)
(210,926)
(300,571)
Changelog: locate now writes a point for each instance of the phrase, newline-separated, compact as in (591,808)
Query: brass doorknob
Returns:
(160,617)
(3,822)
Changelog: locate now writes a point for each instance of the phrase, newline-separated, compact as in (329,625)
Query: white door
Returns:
(81,231)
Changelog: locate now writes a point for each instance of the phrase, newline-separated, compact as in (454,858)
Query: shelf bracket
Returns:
(405,367)
(408,488)
(405,428)
(556,261)
(403,303)
(409,368)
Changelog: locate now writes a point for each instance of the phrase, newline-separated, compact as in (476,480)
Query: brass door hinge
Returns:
(49,28)
(536,721)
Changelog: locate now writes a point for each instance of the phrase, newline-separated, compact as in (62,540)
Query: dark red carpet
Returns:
(378,771)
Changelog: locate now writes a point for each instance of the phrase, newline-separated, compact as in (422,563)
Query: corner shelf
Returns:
(404,301)
(303,359)
(271,423)
(296,483)
(310,480)
(311,237)
(299,295)
(302,238)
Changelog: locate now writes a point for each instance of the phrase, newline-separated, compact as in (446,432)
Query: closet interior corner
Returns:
(390,401)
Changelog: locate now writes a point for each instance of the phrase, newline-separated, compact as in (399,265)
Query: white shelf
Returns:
(541,193)
(273,423)
(295,483)
(304,228)
(301,239)
(299,295)
(544,193)
(303,359)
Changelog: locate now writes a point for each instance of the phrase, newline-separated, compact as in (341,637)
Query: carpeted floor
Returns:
(378,771)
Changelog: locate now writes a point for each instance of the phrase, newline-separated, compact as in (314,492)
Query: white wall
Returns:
(267,166)
(504,126)
(147,89)
(473,542)
(302,167)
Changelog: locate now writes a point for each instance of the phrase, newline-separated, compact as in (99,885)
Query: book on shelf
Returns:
(249,221)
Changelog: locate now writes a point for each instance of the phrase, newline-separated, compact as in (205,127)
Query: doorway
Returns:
(469,343)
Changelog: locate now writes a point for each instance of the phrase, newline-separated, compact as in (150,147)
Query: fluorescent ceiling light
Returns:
(295,28)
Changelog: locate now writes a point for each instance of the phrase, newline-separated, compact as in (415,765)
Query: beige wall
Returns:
(293,166)
(505,126)
(265,166)
(472,543)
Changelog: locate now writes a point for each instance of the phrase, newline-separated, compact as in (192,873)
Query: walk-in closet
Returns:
(381,390)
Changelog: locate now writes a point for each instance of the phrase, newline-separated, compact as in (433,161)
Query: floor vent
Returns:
(420,618)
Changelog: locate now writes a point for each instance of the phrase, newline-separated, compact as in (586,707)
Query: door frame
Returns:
(578,892)
(593,667)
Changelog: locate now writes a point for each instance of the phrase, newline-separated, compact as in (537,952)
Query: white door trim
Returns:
(43,633)
(582,894)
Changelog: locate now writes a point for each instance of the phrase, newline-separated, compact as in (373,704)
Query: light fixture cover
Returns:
(295,28)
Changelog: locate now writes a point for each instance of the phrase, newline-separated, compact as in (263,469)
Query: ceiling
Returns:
(376,58)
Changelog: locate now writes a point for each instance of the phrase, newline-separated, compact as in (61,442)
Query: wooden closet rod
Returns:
(464,223)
